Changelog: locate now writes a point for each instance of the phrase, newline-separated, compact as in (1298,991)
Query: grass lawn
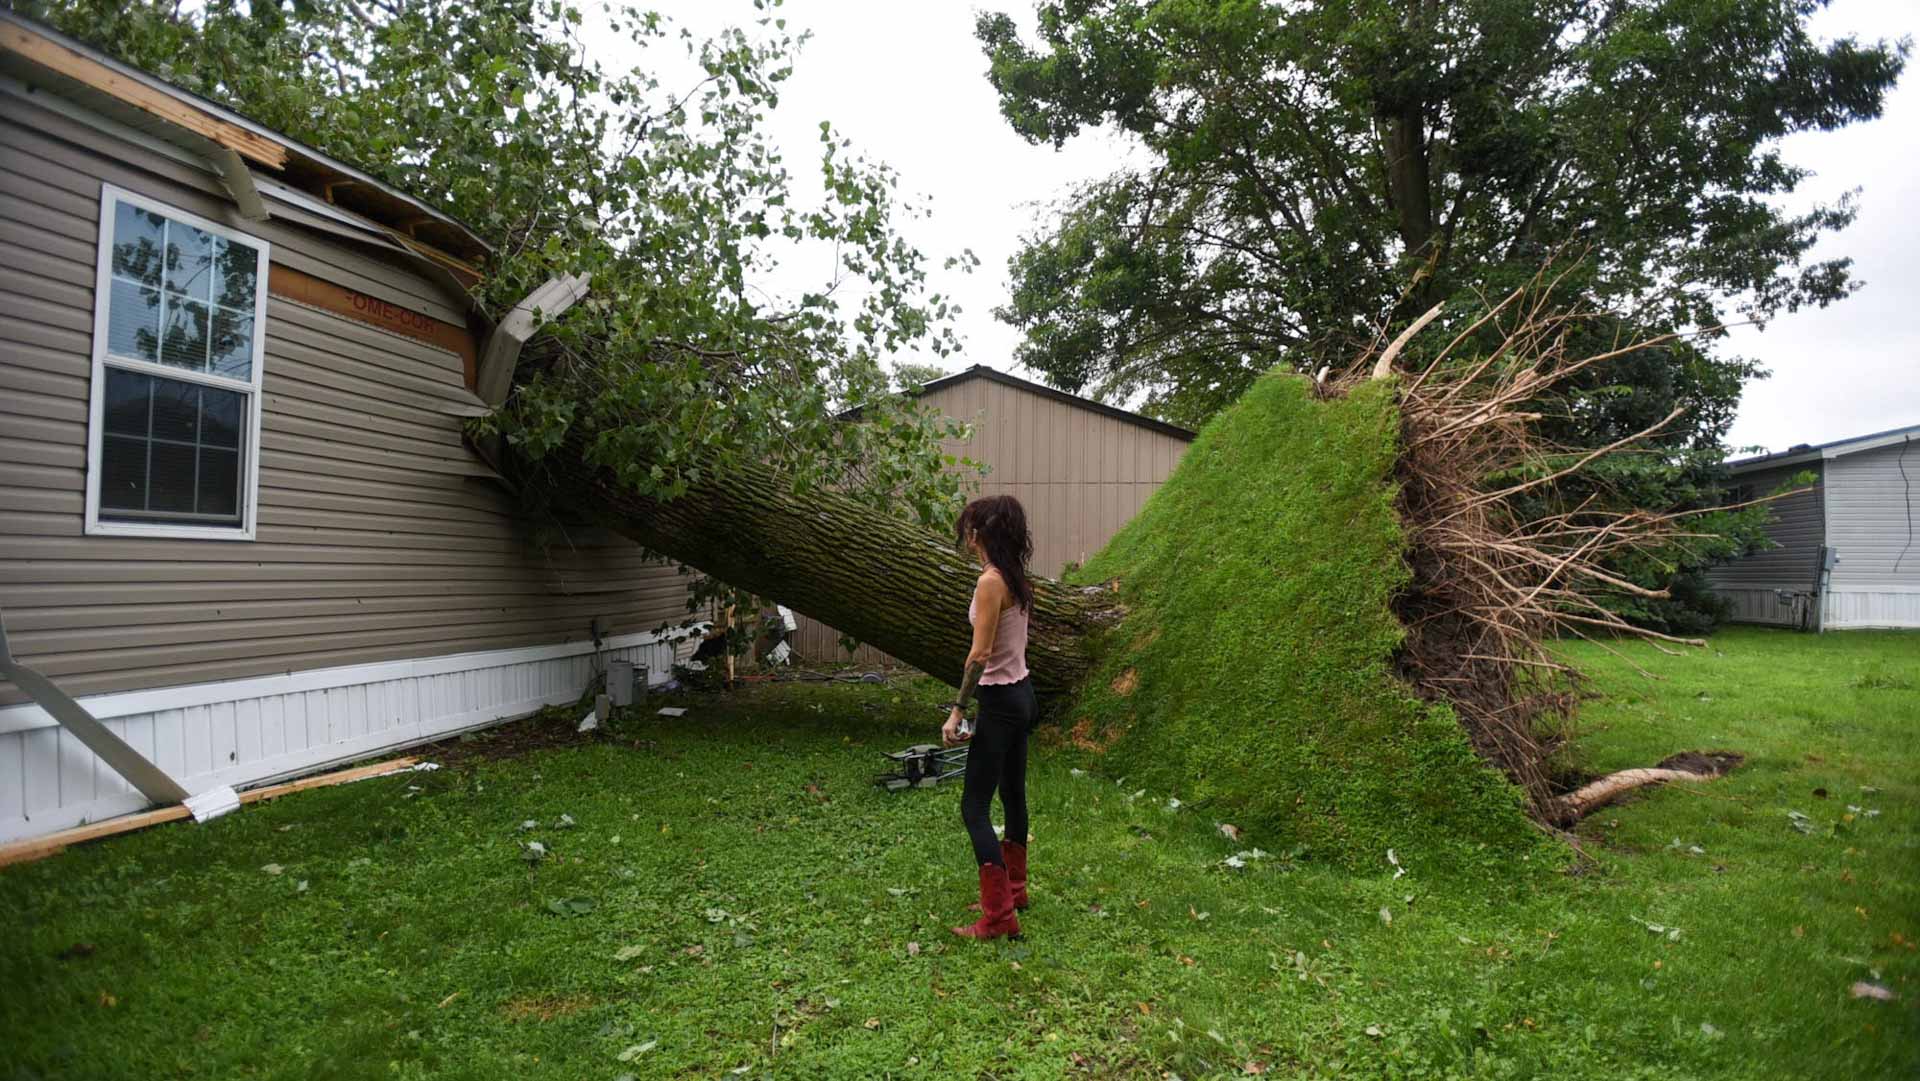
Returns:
(731,896)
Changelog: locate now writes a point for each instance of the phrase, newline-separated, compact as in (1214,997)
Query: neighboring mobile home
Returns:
(238,518)
(1081,469)
(1846,553)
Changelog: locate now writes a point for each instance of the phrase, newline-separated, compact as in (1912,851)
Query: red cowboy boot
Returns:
(996,907)
(1016,857)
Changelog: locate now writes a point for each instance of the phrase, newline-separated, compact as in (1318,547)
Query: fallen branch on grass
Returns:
(1583,801)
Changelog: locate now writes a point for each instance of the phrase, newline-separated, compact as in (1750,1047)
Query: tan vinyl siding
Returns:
(1080,474)
(380,535)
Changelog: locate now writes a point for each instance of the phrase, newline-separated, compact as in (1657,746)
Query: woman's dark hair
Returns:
(1001,524)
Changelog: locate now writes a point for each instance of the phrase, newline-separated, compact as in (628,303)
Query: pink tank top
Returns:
(1008,661)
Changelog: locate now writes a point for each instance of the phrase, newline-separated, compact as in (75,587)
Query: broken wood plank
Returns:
(170,107)
(35,848)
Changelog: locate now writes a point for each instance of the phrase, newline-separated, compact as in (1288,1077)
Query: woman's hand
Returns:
(950,732)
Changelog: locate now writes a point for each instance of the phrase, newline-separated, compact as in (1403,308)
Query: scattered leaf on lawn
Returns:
(1373,1031)
(273,868)
(913,949)
(301,887)
(873,1022)
(530,824)
(1711,1033)
(628,953)
(107,999)
(570,906)
(566,822)
(716,915)
(1386,915)
(1230,831)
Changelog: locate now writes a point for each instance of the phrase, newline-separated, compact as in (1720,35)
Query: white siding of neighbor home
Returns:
(394,591)
(1873,522)
(1796,525)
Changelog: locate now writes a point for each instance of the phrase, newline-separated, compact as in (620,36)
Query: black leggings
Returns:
(997,758)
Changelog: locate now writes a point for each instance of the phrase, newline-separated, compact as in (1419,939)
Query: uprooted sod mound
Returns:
(1253,672)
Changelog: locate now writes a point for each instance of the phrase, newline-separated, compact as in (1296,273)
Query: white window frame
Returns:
(96,411)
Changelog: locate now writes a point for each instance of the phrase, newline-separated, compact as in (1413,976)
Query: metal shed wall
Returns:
(389,576)
(1796,525)
(1080,474)
(1873,512)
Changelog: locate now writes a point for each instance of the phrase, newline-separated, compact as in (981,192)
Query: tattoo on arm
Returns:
(969,682)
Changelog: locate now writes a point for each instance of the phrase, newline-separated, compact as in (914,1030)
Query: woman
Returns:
(994,529)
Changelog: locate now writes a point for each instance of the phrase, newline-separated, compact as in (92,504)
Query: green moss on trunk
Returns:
(1254,669)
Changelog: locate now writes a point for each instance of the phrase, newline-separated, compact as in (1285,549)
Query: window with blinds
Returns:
(177,356)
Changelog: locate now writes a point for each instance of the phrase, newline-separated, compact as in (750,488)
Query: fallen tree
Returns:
(1331,620)
(1367,663)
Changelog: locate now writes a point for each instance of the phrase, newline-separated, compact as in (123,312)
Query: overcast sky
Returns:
(905,81)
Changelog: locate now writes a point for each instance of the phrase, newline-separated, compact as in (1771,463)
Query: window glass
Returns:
(133,321)
(171,452)
(232,345)
(180,295)
(189,269)
(138,236)
(174,451)
(183,334)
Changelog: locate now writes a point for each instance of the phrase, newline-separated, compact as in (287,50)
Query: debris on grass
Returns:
(1228,830)
(590,722)
(672,711)
(628,953)
(1395,860)
(1672,933)
(273,868)
(533,852)
(636,1050)
(1875,991)
(570,906)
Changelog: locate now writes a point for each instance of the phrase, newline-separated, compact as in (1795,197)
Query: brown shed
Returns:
(1081,468)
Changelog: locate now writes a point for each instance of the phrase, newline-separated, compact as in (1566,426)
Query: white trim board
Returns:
(29,716)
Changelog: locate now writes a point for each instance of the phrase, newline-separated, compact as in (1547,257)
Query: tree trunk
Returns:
(881,580)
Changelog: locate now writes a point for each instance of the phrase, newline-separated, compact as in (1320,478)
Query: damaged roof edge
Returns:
(29,27)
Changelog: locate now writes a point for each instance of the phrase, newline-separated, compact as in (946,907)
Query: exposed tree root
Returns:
(1492,584)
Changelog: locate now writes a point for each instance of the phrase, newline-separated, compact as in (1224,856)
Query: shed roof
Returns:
(80,73)
(981,371)
(1808,452)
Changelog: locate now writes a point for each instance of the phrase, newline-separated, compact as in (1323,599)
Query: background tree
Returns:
(1311,166)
